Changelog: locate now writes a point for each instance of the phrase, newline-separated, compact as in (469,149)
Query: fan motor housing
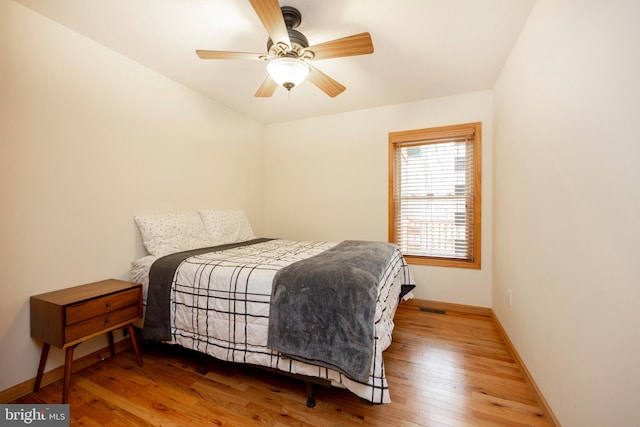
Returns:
(292,19)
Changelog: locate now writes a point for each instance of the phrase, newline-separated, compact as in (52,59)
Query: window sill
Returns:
(442,262)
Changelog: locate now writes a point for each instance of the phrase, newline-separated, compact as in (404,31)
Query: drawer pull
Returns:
(108,305)
(106,320)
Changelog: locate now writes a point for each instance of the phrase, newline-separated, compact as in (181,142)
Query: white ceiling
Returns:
(423,48)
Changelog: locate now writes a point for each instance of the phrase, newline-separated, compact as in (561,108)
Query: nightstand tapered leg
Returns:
(43,361)
(112,346)
(68,359)
(134,342)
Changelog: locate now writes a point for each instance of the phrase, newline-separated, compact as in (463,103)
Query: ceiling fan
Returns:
(289,54)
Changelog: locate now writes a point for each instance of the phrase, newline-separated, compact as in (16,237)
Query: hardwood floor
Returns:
(443,370)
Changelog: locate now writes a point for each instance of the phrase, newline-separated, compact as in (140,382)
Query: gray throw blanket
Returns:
(323,308)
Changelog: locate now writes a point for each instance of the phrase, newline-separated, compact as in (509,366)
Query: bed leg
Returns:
(311,402)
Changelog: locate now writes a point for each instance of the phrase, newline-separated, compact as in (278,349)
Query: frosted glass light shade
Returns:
(288,72)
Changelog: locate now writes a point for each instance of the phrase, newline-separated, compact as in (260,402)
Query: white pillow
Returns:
(227,226)
(169,233)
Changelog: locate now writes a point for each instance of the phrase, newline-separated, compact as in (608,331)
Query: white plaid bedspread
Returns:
(220,307)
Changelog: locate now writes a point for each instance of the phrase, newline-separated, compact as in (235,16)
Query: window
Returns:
(434,195)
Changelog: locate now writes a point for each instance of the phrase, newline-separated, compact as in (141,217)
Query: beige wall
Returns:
(88,138)
(327,179)
(566,207)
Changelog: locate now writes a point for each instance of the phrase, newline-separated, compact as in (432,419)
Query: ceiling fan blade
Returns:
(216,54)
(357,44)
(324,82)
(267,88)
(271,16)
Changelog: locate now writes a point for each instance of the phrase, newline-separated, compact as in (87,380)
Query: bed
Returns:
(211,286)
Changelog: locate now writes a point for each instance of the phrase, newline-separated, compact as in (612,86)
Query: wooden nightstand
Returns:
(67,317)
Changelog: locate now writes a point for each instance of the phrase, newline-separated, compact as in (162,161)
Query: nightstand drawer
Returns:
(100,323)
(106,304)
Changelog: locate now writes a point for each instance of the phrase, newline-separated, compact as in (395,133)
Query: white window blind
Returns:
(434,196)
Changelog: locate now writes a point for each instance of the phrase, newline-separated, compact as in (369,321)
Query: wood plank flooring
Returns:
(443,370)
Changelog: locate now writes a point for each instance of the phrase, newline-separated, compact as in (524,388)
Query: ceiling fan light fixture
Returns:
(288,72)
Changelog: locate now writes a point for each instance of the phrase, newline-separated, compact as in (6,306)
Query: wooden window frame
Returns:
(419,136)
